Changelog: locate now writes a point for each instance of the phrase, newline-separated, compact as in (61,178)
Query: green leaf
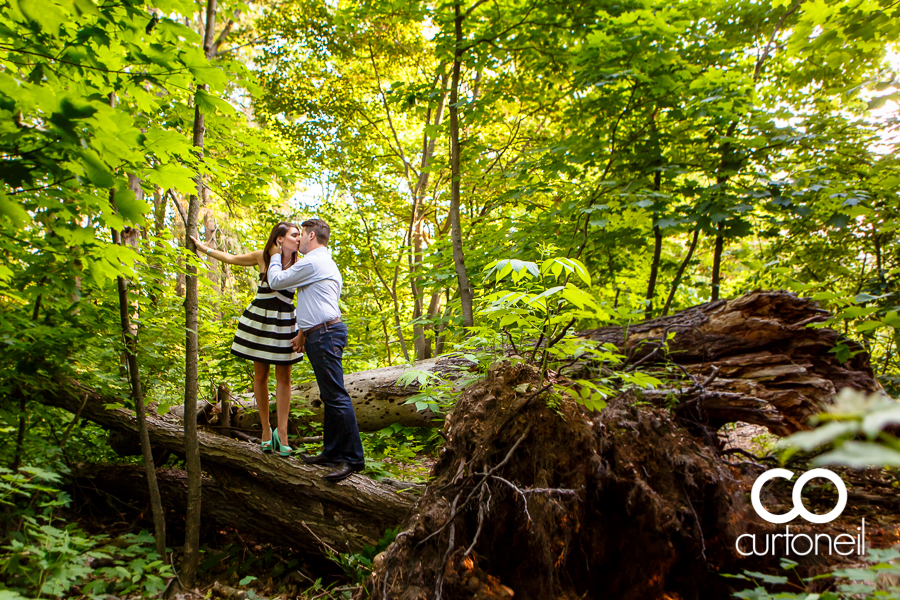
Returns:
(175,177)
(859,455)
(47,14)
(96,170)
(868,326)
(128,205)
(547,293)
(856,574)
(777,579)
(810,440)
(246,580)
(875,421)
(13,211)
(860,298)
(855,312)
(209,103)
(825,296)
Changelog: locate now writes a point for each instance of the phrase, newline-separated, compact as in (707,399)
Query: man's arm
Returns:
(301,273)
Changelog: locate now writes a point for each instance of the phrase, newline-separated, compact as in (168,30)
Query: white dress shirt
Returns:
(318,283)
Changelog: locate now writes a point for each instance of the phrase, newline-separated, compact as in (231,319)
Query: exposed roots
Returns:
(542,502)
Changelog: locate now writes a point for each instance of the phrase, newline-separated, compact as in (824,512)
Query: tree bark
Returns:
(159,212)
(681,268)
(130,337)
(657,252)
(466,295)
(717,263)
(233,499)
(654,271)
(771,369)
(417,222)
(191,307)
(192,457)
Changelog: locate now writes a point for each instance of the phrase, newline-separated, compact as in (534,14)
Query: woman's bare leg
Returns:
(261,393)
(283,399)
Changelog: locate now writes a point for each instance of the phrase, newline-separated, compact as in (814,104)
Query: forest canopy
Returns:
(680,152)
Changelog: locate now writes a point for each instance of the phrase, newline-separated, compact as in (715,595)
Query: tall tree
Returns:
(466,295)
(130,338)
(191,307)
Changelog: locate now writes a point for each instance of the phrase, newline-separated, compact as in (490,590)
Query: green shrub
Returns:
(39,559)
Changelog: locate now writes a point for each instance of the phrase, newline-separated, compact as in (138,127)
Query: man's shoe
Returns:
(319,459)
(343,471)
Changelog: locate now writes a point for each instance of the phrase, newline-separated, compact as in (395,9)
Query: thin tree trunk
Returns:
(387,341)
(159,518)
(397,326)
(224,398)
(159,211)
(23,415)
(416,232)
(680,273)
(210,227)
(191,384)
(654,271)
(439,330)
(657,252)
(420,342)
(434,307)
(20,436)
(391,289)
(466,295)
(717,263)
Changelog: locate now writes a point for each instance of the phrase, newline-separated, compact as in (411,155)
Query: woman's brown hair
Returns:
(280,230)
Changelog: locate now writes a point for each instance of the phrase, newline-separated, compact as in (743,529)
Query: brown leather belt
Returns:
(326,324)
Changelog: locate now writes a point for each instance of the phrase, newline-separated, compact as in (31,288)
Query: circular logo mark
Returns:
(799,509)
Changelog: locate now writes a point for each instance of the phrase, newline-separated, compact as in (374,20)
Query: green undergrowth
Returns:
(871,581)
(41,557)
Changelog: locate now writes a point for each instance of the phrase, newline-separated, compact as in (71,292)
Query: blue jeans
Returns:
(324,350)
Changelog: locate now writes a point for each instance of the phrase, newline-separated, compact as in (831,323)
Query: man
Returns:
(322,336)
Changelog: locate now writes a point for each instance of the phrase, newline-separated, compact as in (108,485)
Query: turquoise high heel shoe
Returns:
(278,446)
(266,446)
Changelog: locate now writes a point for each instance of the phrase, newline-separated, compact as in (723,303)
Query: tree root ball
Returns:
(534,497)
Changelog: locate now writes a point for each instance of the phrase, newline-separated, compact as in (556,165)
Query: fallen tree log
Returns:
(377,398)
(770,368)
(228,502)
(284,492)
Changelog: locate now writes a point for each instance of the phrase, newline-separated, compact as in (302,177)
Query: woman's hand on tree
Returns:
(200,245)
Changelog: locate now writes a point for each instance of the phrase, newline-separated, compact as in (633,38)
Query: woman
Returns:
(265,331)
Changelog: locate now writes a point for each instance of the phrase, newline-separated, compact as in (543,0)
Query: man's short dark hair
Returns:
(319,227)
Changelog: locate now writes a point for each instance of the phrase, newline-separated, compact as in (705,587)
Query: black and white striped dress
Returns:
(267,327)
